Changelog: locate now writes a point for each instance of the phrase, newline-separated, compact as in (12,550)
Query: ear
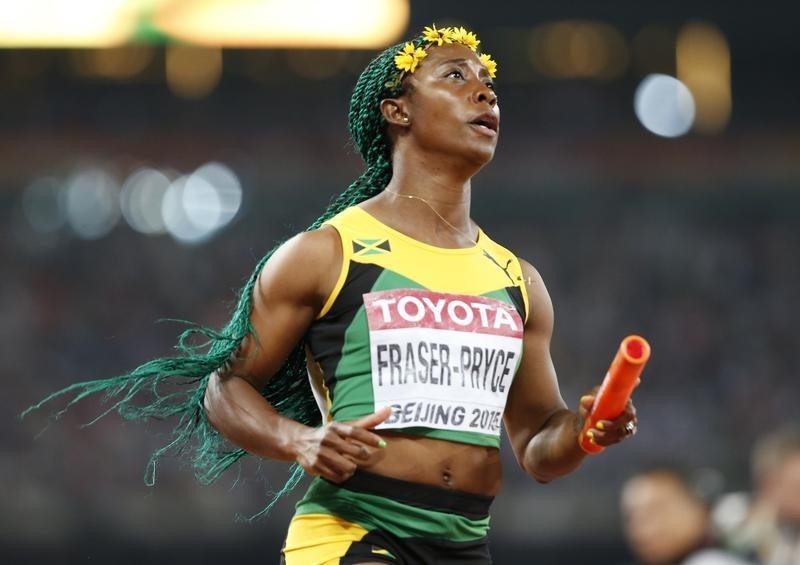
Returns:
(395,112)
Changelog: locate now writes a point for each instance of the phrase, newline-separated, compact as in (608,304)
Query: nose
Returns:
(485,94)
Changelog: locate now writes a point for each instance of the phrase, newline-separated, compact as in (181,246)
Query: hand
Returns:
(334,450)
(608,432)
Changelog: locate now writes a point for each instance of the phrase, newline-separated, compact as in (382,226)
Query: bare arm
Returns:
(290,292)
(542,430)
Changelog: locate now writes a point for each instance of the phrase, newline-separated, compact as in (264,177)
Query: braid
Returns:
(368,131)
(175,386)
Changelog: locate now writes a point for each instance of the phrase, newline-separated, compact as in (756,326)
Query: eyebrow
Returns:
(462,61)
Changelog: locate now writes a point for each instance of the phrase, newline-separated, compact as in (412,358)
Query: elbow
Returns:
(524,451)
(533,470)
(541,470)
(543,478)
(547,473)
(538,475)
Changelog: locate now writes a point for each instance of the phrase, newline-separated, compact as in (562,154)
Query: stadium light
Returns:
(354,24)
(338,24)
(73,23)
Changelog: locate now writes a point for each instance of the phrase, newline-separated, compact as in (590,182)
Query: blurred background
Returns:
(151,151)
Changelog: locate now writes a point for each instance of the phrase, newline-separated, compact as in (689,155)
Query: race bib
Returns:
(443,361)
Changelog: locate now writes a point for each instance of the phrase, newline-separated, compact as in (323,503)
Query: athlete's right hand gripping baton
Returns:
(621,379)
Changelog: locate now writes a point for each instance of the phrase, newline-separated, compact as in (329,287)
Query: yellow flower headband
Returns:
(409,57)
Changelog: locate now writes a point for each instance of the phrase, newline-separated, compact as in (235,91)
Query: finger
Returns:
(365,437)
(616,430)
(357,429)
(337,466)
(328,472)
(605,438)
(356,450)
(606,426)
(374,419)
(587,400)
(586,403)
(344,438)
(341,432)
(316,468)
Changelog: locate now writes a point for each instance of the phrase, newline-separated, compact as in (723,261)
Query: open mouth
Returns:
(486,122)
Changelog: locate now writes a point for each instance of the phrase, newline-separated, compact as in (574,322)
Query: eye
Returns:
(455,73)
(490,85)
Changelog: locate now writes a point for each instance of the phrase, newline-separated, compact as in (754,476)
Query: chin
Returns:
(474,155)
(481,156)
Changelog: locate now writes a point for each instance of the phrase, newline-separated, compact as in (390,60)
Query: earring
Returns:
(405,118)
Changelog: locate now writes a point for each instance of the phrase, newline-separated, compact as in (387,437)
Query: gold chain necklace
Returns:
(463,233)
(428,204)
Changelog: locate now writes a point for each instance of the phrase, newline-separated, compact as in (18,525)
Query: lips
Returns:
(486,122)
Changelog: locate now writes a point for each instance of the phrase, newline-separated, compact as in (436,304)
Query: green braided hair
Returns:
(174,387)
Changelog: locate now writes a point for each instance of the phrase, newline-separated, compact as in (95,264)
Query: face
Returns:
(662,521)
(451,105)
(786,490)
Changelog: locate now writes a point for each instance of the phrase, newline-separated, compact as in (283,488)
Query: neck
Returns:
(443,185)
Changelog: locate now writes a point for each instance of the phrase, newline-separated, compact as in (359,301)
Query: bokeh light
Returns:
(191,207)
(227,186)
(201,203)
(193,72)
(141,198)
(118,63)
(703,63)
(175,219)
(664,105)
(578,49)
(42,205)
(92,202)
(195,206)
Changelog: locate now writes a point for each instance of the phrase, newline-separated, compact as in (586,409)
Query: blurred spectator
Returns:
(771,530)
(666,518)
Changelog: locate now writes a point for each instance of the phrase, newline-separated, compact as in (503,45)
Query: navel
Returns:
(447,477)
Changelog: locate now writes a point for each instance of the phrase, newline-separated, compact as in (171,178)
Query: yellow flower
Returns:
(466,38)
(409,57)
(437,36)
(490,64)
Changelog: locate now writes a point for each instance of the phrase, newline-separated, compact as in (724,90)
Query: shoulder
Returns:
(530,272)
(540,306)
(310,246)
(305,267)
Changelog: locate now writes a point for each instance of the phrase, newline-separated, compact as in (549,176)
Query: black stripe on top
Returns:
(515,294)
(326,335)
(466,504)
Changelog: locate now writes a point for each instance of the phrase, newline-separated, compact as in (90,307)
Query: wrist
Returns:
(293,440)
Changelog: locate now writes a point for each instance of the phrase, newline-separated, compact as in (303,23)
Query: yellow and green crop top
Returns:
(435,333)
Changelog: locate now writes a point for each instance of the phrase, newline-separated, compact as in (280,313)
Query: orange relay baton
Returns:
(621,379)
